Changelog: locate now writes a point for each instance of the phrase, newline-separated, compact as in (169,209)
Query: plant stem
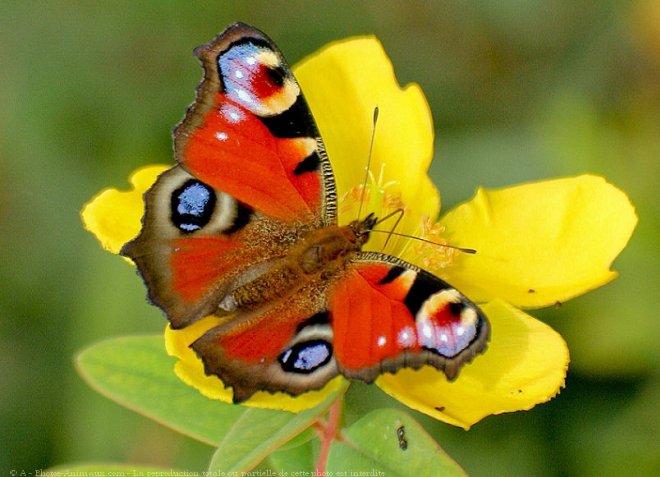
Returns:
(329,433)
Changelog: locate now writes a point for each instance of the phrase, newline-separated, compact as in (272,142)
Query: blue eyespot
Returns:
(192,206)
(306,357)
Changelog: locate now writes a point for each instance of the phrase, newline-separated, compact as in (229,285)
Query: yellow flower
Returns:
(538,243)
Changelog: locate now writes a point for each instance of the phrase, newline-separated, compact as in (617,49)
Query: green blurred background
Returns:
(520,90)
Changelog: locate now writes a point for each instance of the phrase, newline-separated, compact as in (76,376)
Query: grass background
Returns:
(520,90)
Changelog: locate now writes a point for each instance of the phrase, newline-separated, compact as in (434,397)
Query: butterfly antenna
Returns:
(471,251)
(398,212)
(368,166)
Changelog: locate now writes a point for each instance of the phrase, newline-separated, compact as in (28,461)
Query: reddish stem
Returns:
(328,433)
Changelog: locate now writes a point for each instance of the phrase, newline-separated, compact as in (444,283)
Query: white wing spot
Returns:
(244,96)
(230,113)
(251,60)
(406,338)
(221,136)
(427,330)
(238,74)
(381,341)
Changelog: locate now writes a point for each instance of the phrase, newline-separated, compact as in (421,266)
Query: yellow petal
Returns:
(343,83)
(525,364)
(114,216)
(540,243)
(190,370)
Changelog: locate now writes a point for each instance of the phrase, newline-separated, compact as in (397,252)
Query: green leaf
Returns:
(302,438)
(373,445)
(300,458)
(105,469)
(136,372)
(255,436)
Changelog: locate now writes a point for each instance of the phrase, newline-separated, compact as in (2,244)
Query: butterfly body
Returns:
(244,228)
(318,256)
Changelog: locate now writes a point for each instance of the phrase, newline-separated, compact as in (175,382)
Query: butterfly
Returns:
(245,227)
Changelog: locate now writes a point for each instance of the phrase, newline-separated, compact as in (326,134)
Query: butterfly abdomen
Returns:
(276,283)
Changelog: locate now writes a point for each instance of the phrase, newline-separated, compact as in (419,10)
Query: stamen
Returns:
(375,196)
(348,200)
(434,257)
(433,252)
(393,202)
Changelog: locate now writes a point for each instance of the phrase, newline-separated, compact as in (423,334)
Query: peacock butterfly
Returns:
(245,226)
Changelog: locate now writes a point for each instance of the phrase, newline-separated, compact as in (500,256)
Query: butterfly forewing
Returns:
(250,132)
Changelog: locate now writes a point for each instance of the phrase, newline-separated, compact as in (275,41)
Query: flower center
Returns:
(383,198)
(377,195)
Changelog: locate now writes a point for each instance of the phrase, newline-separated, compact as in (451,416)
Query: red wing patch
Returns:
(252,343)
(236,153)
(370,322)
(198,262)
(200,268)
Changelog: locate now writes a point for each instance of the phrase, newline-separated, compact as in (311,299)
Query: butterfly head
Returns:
(362,228)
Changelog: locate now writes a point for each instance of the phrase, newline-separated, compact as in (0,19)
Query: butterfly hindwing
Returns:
(388,314)
(250,132)
(284,347)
